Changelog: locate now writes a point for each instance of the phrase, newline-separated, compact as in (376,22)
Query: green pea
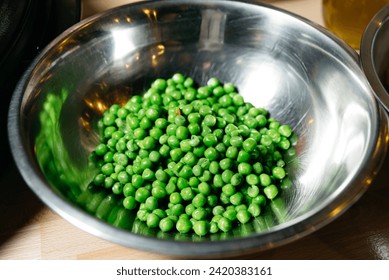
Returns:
(107,169)
(226,163)
(228,189)
(158,192)
(264,180)
(249,144)
(236,179)
(270,191)
(204,188)
(252,179)
(201,228)
(166,224)
(236,141)
(176,154)
(236,198)
(101,149)
(175,198)
(151,203)
(232,152)
(278,172)
(243,216)
(189,209)
(183,225)
(199,200)
(152,220)
(210,140)
(227,175)
(99,179)
(224,224)
(142,194)
(129,203)
(199,214)
(252,191)
(254,209)
(244,168)
(182,132)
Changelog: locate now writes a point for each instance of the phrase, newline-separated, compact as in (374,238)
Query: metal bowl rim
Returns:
(278,235)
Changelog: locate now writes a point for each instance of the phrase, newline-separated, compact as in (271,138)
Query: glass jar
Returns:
(349,18)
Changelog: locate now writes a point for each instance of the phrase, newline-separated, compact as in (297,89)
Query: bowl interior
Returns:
(299,73)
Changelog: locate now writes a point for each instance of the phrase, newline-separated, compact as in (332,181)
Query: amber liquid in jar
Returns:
(348,18)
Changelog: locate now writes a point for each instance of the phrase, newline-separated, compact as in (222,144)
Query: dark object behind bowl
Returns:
(375,55)
(26,26)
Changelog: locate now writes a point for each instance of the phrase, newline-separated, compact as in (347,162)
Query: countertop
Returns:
(30,230)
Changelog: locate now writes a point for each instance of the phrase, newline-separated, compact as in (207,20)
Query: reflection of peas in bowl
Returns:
(311,82)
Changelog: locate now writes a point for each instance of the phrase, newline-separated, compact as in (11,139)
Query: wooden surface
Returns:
(29,230)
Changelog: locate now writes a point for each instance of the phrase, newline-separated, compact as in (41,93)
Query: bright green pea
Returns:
(101,149)
(278,172)
(152,220)
(189,159)
(182,132)
(175,198)
(225,164)
(214,167)
(210,140)
(148,174)
(228,189)
(107,169)
(201,228)
(209,120)
(244,168)
(123,177)
(227,175)
(232,152)
(177,209)
(142,194)
(270,191)
(178,78)
(236,141)
(211,153)
(199,200)
(224,224)
(264,180)
(151,203)
(236,198)
(252,191)
(158,192)
(204,188)
(183,225)
(187,194)
(189,209)
(176,154)
(236,179)
(249,144)
(166,224)
(130,203)
(243,216)
(254,209)
(252,179)
(117,188)
(199,214)
(99,179)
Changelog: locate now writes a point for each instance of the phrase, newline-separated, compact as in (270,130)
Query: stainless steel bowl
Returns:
(374,54)
(297,70)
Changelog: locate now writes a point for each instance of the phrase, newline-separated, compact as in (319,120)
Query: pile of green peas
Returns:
(192,158)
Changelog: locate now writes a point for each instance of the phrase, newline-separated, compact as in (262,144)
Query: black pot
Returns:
(26,26)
